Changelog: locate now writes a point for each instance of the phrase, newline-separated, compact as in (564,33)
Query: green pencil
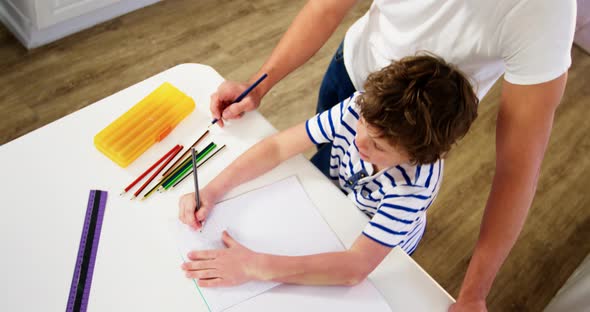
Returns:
(176,170)
(183,165)
(198,166)
(166,185)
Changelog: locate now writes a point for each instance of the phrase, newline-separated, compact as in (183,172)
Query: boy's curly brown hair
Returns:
(421,104)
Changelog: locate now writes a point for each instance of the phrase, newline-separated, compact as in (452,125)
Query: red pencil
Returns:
(150,169)
(178,149)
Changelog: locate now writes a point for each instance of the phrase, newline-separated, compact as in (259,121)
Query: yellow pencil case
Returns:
(146,123)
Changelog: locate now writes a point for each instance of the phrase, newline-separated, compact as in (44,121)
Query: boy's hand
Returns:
(232,266)
(226,94)
(187,212)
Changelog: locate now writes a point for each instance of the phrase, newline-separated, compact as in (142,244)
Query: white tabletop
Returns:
(46,178)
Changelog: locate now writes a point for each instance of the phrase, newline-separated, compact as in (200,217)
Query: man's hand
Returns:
(307,34)
(225,267)
(221,101)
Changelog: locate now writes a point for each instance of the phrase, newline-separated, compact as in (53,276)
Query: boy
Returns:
(385,154)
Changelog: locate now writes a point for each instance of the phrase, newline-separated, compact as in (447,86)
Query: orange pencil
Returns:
(177,150)
(149,169)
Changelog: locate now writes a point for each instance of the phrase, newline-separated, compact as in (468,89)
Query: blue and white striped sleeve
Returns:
(398,215)
(321,128)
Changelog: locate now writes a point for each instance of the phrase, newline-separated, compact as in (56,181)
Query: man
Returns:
(529,41)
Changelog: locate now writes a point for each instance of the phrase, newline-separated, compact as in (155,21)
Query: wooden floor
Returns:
(42,85)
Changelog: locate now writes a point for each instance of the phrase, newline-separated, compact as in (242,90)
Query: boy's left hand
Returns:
(232,266)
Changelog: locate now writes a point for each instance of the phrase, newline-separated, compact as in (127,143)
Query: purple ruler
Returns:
(80,288)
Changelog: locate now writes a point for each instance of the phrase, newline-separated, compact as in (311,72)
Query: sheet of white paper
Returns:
(218,299)
(296,298)
(277,219)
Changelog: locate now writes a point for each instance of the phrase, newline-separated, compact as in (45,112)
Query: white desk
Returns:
(46,178)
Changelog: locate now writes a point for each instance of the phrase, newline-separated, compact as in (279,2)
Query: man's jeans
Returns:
(336,87)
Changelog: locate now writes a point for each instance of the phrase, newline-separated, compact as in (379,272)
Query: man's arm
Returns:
(308,32)
(522,133)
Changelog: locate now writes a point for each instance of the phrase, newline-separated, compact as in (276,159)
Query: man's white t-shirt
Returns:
(529,40)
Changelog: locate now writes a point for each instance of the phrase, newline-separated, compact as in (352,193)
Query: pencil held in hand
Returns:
(243,95)
(196,178)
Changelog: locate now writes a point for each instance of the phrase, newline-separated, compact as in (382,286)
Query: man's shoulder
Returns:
(538,16)
(536,40)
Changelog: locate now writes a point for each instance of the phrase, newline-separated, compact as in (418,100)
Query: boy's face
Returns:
(378,151)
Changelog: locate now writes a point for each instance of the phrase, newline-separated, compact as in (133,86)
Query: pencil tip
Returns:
(123,193)
(132,198)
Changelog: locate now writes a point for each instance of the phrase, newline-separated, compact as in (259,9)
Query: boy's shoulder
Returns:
(350,101)
(350,107)
(412,180)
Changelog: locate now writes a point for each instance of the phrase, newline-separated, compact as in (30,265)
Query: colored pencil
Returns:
(185,163)
(159,184)
(168,177)
(149,170)
(177,150)
(199,165)
(243,95)
(174,165)
(187,168)
(153,189)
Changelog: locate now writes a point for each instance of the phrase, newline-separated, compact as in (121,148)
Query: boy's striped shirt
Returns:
(396,199)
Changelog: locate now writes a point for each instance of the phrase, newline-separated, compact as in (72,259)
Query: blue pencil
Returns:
(244,94)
